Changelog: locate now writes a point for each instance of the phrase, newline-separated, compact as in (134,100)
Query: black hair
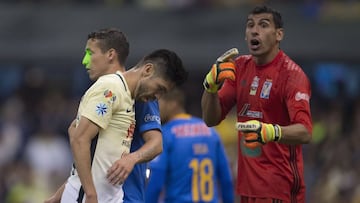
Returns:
(169,63)
(276,15)
(112,38)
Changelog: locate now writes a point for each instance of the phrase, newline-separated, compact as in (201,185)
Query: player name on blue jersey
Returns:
(191,130)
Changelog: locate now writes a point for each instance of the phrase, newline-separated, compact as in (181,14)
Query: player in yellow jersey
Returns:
(104,126)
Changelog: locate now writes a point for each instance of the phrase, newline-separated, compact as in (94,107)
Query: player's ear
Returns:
(279,34)
(111,53)
(148,69)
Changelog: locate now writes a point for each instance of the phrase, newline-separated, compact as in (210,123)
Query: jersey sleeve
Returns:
(298,93)
(101,101)
(158,167)
(227,97)
(147,116)
(160,162)
(224,173)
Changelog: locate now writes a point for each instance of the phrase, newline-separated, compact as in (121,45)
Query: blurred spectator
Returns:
(49,155)
(24,187)
(11,134)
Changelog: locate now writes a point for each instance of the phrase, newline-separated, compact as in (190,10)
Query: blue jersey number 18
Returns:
(202,180)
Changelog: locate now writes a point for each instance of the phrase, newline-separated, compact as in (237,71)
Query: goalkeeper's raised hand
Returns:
(257,133)
(221,70)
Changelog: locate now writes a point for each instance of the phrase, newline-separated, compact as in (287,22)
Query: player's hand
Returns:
(257,133)
(120,170)
(223,69)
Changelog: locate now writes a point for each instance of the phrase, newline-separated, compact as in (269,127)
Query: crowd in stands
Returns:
(174,3)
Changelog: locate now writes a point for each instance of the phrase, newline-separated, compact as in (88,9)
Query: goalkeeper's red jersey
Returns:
(277,93)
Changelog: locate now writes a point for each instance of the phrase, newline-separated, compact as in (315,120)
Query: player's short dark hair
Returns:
(169,63)
(176,94)
(276,15)
(112,38)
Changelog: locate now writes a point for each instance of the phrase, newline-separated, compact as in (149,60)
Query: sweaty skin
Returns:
(86,59)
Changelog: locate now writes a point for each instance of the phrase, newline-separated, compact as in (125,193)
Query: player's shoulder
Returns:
(152,104)
(290,65)
(114,81)
(196,119)
(292,72)
(109,78)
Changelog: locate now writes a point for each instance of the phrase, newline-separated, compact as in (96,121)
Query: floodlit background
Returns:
(42,79)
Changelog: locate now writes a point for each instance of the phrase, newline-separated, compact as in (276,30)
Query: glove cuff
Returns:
(209,84)
(277,133)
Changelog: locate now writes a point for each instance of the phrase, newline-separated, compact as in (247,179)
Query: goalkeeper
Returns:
(271,94)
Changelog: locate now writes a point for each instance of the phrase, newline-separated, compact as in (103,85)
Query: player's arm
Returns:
(121,169)
(257,133)
(298,93)
(151,148)
(56,198)
(158,168)
(223,69)
(211,109)
(150,131)
(80,141)
(295,134)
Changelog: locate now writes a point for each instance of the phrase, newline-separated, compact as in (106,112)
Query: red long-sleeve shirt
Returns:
(276,93)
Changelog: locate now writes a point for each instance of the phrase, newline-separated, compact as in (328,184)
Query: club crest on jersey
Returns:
(109,95)
(101,109)
(254,85)
(265,92)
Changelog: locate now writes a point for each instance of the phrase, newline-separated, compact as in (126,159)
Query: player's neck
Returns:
(266,58)
(180,115)
(132,77)
(117,67)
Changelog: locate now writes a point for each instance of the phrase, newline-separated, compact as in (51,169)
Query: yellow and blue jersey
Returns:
(193,165)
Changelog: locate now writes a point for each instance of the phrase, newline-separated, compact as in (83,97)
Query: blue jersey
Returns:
(147,118)
(193,165)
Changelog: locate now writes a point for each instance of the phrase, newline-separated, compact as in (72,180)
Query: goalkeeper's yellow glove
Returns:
(257,133)
(221,70)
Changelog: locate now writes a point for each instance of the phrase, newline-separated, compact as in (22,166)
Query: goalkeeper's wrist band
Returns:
(206,84)
(208,88)
(277,133)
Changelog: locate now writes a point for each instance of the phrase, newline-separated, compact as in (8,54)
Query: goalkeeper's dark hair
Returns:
(112,38)
(168,63)
(276,15)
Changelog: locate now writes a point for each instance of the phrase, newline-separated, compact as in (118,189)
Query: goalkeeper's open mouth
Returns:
(254,44)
